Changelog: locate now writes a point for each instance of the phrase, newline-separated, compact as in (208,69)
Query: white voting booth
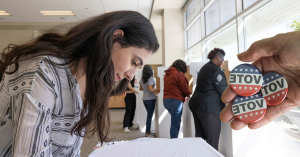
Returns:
(163,118)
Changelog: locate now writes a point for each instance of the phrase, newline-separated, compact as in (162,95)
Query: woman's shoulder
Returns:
(37,62)
(41,66)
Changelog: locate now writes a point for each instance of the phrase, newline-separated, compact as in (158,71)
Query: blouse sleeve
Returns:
(32,98)
(151,81)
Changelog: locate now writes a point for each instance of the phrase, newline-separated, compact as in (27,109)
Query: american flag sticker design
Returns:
(249,109)
(274,88)
(245,79)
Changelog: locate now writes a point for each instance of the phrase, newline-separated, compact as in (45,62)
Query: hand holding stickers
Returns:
(246,80)
(276,54)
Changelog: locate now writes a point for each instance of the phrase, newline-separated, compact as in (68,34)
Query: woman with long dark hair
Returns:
(206,103)
(130,106)
(176,89)
(147,85)
(56,87)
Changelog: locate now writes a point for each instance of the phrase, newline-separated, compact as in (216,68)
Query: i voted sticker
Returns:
(245,79)
(274,88)
(249,109)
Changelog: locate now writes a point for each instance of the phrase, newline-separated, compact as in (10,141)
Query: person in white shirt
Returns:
(56,88)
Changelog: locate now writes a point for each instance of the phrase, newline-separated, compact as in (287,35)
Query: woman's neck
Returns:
(80,76)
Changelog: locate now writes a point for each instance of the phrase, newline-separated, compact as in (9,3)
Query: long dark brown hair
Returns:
(90,41)
(147,73)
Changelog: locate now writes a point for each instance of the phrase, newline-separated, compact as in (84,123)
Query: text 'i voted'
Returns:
(249,109)
(245,79)
(274,88)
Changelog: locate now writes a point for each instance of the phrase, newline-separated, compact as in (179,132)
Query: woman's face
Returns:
(221,60)
(127,60)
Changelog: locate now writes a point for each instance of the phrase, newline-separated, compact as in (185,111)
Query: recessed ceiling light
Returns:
(4,13)
(57,12)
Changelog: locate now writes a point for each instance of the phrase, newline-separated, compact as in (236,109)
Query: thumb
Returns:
(258,49)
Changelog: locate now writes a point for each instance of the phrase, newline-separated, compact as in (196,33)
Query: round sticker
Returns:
(274,88)
(245,79)
(249,109)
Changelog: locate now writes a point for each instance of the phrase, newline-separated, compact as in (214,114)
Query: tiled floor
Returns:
(116,132)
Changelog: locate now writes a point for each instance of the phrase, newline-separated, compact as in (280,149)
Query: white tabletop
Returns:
(158,147)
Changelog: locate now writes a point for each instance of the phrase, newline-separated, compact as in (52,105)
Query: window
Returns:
(279,138)
(227,9)
(194,34)
(270,20)
(218,14)
(247,3)
(194,55)
(227,40)
(206,1)
(212,18)
(192,11)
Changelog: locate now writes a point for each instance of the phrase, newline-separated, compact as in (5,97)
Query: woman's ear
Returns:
(219,58)
(118,33)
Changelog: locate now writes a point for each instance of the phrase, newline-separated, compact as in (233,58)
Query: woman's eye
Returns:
(134,63)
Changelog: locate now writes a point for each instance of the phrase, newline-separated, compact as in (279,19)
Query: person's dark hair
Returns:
(180,65)
(90,41)
(147,73)
(133,79)
(215,52)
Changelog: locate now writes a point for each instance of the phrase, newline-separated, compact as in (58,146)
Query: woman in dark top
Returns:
(130,102)
(205,102)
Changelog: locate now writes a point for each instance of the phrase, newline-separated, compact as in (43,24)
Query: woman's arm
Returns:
(151,89)
(132,89)
(141,88)
(33,116)
(183,85)
(151,84)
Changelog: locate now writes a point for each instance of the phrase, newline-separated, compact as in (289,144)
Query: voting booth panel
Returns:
(163,118)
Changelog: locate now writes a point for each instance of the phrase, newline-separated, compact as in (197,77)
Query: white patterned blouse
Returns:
(39,105)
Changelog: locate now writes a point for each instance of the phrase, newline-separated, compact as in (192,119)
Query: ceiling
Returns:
(29,10)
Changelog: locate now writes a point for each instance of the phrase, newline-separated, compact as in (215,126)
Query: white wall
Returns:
(173,36)
(156,58)
(14,37)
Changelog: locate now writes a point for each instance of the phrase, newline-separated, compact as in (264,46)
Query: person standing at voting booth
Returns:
(56,87)
(205,102)
(130,106)
(176,89)
(147,85)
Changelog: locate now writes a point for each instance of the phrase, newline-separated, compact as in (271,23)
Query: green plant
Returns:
(295,24)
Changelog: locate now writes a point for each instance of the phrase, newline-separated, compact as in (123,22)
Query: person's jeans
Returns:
(149,105)
(175,109)
(130,102)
